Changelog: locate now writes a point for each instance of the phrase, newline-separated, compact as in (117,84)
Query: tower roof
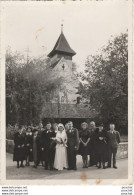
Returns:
(62,46)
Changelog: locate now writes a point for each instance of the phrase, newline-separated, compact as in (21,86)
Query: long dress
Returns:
(101,147)
(60,161)
(93,148)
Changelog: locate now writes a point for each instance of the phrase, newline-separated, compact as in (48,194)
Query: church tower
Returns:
(62,49)
(62,68)
(64,100)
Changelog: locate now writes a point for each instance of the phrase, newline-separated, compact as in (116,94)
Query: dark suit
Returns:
(73,144)
(49,148)
(113,139)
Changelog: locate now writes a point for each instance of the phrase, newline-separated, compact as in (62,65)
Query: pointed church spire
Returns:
(61,28)
(62,46)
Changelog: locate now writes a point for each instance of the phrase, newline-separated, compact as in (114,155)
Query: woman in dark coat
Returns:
(29,146)
(101,144)
(92,150)
(84,136)
(19,148)
(35,151)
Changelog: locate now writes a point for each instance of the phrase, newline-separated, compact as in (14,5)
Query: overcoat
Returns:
(29,145)
(101,145)
(49,146)
(19,147)
(93,147)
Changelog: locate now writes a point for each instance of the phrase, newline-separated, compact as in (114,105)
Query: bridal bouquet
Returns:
(61,141)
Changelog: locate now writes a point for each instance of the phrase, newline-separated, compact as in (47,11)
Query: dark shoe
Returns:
(74,168)
(104,167)
(22,166)
(18,166)
(35,166)
(108,166)
(115,167)
(69,169)
(99,165)
(46,168)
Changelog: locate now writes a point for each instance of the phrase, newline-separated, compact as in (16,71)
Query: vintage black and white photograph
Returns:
(66,82)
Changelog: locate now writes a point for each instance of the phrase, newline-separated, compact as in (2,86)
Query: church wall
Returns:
(69,82)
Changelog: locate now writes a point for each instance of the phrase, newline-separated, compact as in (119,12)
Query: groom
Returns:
(72,145)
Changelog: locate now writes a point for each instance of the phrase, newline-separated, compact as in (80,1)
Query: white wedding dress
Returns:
(60,161)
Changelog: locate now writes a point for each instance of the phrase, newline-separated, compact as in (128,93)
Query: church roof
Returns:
(62,46)
(55,110)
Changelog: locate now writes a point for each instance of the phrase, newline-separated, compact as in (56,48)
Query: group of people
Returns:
(56,148)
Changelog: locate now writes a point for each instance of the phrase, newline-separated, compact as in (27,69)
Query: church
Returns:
(65,102)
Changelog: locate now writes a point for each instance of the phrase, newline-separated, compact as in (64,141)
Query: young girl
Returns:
(60,161)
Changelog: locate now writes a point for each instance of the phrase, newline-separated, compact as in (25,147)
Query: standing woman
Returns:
(28,146)
(84,135)
(92,152)
(19,148)
(60,161)
(35,152)
(101,144)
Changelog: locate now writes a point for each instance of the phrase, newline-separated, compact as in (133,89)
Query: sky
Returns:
(87,26)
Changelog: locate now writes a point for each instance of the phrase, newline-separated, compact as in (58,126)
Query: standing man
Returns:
(73,145)
(49,146)
(40,144)
(113,139)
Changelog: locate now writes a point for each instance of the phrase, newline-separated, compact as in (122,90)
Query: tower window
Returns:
(63,66)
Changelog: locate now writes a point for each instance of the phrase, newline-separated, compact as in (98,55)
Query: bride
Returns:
(60,161)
